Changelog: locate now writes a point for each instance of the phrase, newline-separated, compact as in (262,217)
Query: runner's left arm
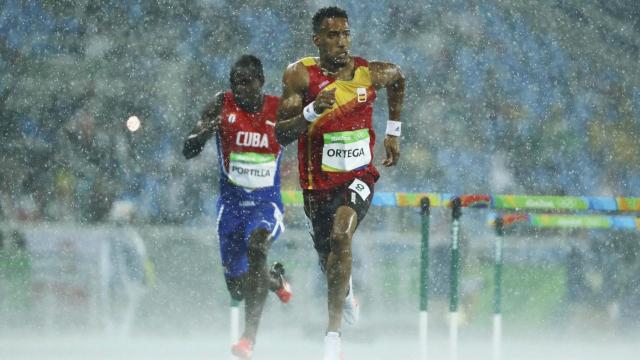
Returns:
(205,128)
(390,76)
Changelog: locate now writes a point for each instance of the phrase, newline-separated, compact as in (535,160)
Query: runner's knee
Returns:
(344,225)
(258,244)
(234,285)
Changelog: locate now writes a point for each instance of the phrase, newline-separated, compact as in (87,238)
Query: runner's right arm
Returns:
(205,128)
(291,121)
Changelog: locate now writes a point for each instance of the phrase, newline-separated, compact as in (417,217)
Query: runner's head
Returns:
(331,35)
(247,78)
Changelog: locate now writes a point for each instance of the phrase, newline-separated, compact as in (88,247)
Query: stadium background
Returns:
(502,97)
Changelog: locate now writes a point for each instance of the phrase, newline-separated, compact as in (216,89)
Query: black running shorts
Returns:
(320,206)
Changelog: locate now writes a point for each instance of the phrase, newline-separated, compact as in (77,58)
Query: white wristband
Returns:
(309,113)
(393,127)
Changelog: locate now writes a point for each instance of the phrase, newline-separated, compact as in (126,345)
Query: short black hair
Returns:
(250,62)
(325,13)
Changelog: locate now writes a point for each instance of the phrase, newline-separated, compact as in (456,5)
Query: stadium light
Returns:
(133,123)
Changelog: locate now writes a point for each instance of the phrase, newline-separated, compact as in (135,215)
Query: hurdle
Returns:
(425,209)
(426,201)
(545,221)
(534,203)
(234,322)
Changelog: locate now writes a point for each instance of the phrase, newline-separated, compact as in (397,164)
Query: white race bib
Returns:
(361,188)
(345,150)
(252,170)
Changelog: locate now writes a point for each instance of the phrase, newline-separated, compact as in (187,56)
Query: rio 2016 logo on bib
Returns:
(346,150)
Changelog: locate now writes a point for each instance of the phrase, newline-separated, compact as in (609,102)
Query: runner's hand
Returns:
(392,148)
(210,126)
(324,101)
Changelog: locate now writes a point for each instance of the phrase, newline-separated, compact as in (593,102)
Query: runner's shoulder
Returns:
(300,66)
(296,75)
(304,62)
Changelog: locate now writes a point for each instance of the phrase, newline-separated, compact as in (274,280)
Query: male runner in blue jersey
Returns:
(249,207)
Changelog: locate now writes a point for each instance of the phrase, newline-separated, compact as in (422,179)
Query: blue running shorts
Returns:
(236,224)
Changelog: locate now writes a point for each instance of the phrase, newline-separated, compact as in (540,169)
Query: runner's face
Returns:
(246,88)
(333,41)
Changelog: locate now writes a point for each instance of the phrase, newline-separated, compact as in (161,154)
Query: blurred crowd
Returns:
(503,97)
(602,280)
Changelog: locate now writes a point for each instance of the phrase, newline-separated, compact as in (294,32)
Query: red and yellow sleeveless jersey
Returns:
(338,146)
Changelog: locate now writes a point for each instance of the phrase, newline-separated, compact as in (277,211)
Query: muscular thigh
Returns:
(320,207)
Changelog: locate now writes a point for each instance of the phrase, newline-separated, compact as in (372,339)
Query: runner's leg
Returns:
(339,263)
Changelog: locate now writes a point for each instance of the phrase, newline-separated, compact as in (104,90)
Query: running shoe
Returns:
(243,349)
(284,289)
(332,347)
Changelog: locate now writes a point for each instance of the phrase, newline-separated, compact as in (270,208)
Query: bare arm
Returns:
(205,128)
(291,122)
(390,77)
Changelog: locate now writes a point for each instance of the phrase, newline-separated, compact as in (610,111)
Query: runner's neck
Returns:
(345,72)
(252,107)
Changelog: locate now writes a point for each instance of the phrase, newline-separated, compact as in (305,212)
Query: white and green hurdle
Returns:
(426,201)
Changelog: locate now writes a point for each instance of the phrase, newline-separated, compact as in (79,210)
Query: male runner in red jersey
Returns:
(250,206)
(327,106)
